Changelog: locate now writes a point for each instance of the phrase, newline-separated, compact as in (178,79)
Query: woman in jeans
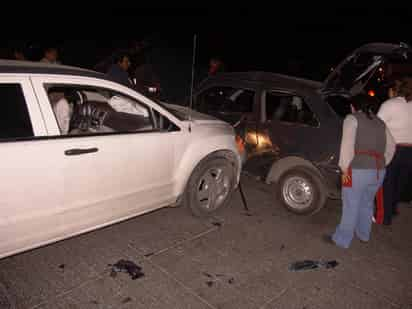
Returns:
(397,115)
(366,148)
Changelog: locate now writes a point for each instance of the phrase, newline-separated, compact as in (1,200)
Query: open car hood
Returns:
(353,73)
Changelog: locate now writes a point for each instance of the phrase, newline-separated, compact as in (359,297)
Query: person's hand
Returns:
(346,178)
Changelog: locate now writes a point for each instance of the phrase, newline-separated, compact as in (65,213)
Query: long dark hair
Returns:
(364,103)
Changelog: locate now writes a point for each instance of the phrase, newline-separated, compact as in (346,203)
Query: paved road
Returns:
(236,260)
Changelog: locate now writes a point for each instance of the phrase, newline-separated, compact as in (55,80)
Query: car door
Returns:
(31,186)
(109,175)
(291,123)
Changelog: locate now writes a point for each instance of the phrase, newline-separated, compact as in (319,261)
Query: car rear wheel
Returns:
(210,186)
(301,191)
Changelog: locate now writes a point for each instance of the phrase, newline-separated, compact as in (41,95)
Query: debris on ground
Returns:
(207,274)
(213,278)
(126,300)
(129,267)
(5,298)
(149,254)
(282,247)
(62,266)
(218,224)
(310,264)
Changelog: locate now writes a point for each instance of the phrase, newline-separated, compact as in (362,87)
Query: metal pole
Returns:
(193,76)
(242,195)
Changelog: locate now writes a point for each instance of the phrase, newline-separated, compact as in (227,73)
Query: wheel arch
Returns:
(282,165)
(187,172)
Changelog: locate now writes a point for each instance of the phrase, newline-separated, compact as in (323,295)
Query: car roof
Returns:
(286,81)
(32,67)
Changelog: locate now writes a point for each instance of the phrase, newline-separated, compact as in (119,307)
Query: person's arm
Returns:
(347,148)
(390,147)
(385,112)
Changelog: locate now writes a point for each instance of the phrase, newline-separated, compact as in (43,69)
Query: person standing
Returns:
(216,65)
(119,69)
(51,55)
(366,148)
(18,54)
(396,112)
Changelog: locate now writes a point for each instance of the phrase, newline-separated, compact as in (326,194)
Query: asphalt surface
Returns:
(238,259)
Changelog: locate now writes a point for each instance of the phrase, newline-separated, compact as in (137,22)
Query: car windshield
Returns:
(225,100)
(175,112)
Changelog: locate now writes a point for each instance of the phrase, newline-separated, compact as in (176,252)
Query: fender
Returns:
(204,148)
(282,165)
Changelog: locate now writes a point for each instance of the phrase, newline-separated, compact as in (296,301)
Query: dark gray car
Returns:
(291,127)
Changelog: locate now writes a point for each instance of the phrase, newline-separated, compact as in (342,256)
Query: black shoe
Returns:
(328,239)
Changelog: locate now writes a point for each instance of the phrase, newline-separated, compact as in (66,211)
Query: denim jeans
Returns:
(358,206)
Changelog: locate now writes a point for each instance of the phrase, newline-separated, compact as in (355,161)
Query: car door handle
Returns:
(78,151)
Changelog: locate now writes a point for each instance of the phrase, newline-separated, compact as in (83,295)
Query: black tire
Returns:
(296,185)
(197,181)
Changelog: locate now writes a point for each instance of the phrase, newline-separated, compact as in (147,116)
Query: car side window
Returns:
(87,110)
(288,108)
(14,117)
(226,100)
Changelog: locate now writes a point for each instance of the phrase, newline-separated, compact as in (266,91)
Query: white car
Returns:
(79,152)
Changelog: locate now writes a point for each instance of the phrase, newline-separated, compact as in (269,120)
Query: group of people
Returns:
(116,66)
(129,66)
(375,154)
(50,55)
(144,76)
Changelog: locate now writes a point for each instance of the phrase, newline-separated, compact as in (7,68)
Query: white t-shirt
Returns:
(397,115)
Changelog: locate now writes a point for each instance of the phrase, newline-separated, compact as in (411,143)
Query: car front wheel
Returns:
(210,186)
(301,191)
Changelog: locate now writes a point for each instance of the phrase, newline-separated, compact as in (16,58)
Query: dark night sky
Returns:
(298,40)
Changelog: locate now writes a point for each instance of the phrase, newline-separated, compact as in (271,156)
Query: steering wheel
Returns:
(88,116)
